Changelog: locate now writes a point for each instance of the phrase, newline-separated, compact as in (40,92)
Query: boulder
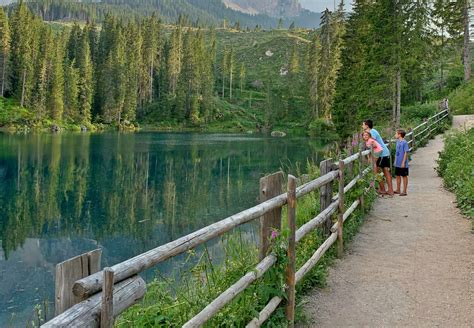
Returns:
(279,134)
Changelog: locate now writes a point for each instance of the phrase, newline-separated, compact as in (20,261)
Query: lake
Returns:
(63,195)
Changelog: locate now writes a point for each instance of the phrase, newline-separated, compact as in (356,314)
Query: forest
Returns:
(121,72)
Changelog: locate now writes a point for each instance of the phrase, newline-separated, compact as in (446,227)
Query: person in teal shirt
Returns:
(383,162)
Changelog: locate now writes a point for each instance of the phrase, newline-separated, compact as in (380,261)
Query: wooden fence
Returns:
(96,298)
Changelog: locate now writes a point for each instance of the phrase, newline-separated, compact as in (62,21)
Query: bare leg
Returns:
(398,183)
(381,183)
(388,176)
(405,184)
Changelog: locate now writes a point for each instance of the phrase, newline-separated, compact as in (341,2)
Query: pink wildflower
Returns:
(274,234)
(372,184)
(354,142)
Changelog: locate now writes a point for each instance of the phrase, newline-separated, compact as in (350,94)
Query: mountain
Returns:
(273,8)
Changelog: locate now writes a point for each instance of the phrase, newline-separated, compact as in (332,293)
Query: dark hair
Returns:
(369,123)
(401,132)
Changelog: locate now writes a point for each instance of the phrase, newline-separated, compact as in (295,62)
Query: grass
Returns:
(461,100)
(456,167)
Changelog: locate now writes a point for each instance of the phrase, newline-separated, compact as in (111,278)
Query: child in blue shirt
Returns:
(401,162)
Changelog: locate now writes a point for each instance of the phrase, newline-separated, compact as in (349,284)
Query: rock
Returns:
(278,134)
(249,132)
(268,53)
(83,128)
(55,128)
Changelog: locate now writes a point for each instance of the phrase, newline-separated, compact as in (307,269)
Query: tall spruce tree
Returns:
(22,26)
(55,99)
(4,49)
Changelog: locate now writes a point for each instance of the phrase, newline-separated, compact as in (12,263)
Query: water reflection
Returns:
(62,195)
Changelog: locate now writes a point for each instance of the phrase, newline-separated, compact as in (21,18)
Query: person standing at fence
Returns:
(371,142)
(383,162)
(401,162)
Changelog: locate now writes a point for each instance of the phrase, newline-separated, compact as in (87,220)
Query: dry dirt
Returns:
(411,265)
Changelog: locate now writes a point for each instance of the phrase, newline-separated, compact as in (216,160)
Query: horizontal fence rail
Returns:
(123,287)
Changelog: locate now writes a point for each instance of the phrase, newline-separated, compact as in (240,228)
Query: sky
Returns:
(321,5)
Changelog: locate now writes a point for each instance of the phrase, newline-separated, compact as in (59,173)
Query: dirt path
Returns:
(412,264)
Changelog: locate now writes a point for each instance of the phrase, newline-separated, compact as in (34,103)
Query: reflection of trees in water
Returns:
(106,186)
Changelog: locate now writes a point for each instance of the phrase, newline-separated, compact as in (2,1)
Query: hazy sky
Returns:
(320,5)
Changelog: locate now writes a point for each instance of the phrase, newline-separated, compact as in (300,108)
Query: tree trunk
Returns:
(151,81)
(441,86)
(230,82)
(223,86)
(399,96)
(466,55)
(3,73)
(394,102)
(22,102)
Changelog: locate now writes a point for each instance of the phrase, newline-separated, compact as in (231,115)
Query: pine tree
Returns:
(293,80)
(231,69)
(151,55)
(242,76)
(22,24)
(71,91)
(56,87)
(4,49)
(42,71)
(174,60)
(134,53)
(312,76)
(224,69)
(188,94)
(466,46)
(85,70)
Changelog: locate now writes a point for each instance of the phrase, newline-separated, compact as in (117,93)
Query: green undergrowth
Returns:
(14,118)
(461,100)
(170,303)
(456,166)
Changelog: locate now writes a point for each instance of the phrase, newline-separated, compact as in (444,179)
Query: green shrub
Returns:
(461,100)
(456,167)
(415,114)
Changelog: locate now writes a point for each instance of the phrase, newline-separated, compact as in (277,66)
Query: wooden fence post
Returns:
(325,191)
(340,215)
(361,169)
(270,186)
(68,272)
(290,270)
(107,307)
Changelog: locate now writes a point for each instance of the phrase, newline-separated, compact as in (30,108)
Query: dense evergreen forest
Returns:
(199,12)
(371,61)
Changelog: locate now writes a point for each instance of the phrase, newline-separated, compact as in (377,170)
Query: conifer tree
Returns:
(85,70)
(4,49)
(466,45)
(242,76)
(231,68)
(56,86)
(22,25)
(71,91)
(224,69)
(312,76)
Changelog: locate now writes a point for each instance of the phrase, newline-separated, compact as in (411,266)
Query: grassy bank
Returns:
(456,167)
(170,303)
(461,100)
